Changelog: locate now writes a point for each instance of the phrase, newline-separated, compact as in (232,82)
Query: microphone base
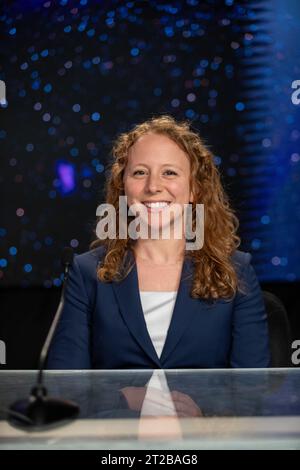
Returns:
(38,413)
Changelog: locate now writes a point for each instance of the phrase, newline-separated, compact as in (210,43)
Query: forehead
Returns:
(156,148)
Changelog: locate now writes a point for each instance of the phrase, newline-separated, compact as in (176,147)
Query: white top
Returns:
(158,400)
(158,310)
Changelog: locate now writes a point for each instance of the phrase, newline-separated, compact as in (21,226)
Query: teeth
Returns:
(156,204)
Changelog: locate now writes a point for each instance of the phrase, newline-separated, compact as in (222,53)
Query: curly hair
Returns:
(214,275)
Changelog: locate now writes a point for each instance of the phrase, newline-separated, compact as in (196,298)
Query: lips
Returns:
(156,206)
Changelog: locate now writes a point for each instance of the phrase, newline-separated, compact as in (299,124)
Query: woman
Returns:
(151,303)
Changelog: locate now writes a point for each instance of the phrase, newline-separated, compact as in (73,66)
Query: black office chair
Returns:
(279,331)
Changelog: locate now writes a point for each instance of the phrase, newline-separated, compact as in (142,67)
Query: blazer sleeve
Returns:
(70,348)
(250,337)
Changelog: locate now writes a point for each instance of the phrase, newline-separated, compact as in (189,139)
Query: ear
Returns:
(191,197)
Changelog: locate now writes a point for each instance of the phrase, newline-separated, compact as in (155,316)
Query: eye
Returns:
(138,172)
(171,172)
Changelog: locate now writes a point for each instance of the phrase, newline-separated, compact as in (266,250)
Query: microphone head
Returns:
(67,256)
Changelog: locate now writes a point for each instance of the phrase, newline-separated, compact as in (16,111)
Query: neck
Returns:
(160,251)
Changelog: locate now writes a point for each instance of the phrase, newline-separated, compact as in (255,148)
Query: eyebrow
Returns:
(165,164)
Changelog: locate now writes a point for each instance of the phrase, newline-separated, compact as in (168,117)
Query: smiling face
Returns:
(157,174)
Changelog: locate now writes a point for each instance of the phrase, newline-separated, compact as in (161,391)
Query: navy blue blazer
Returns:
(103,326)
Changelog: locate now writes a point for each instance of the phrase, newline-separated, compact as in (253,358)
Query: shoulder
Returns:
(87,262)
(245,272)
(92,256)
(247,278)
(83,273)
(240,259)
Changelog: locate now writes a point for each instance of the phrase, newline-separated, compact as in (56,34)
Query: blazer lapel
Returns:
(127,293)
(184,309)
(128,296)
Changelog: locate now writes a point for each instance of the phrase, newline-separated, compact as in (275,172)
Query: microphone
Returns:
(40,411)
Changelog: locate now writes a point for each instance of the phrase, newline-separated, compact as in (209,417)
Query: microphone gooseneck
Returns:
(40,411)
(66,259)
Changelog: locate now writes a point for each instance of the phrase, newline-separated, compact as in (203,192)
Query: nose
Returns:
(154,183)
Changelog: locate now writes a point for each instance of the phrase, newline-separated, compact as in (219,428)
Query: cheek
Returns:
(181,190)
(132,188)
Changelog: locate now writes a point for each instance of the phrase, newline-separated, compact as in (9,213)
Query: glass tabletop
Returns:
(163,409)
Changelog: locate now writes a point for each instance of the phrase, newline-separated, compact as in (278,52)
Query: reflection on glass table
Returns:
(163,409)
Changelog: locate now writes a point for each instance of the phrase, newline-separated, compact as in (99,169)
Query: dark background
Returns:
(79,73)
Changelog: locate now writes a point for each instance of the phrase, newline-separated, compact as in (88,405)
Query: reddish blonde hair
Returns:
(214,275)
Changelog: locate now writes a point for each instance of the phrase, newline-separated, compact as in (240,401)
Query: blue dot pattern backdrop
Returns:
(77,73)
